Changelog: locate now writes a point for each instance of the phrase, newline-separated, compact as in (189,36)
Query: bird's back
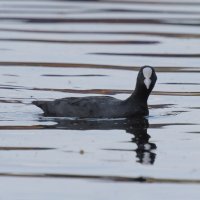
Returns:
(91,106)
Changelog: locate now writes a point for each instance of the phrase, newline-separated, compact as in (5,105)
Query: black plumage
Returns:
(105,106)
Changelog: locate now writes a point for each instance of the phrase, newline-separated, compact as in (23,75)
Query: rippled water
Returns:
(52,49)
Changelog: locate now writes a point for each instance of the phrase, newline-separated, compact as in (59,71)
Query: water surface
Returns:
(53,49)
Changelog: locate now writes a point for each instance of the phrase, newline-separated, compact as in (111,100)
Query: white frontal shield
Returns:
(147,72)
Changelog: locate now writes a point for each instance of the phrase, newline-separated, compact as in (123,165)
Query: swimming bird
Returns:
(105,106)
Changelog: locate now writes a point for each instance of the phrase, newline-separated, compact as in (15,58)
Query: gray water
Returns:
(52,49)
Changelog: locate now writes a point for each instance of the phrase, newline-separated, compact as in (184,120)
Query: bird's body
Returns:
(104,106)
(92,106)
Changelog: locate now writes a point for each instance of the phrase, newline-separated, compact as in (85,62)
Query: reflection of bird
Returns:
(127,124)
(144,151)
(105,106)
(135,126)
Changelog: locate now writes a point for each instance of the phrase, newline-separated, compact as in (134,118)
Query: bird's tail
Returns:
(46,106)
(40,104)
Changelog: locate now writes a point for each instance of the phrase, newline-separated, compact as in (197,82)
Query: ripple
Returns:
(96,66)
(113,42)
(103,178)
(164,55)
(24,148)
(175,21)
(147,33)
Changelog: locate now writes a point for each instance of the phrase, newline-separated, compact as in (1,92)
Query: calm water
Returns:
(52,49)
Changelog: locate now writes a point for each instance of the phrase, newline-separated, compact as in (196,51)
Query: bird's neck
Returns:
(138,97)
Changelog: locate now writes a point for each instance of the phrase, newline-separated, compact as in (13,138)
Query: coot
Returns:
(105,106)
